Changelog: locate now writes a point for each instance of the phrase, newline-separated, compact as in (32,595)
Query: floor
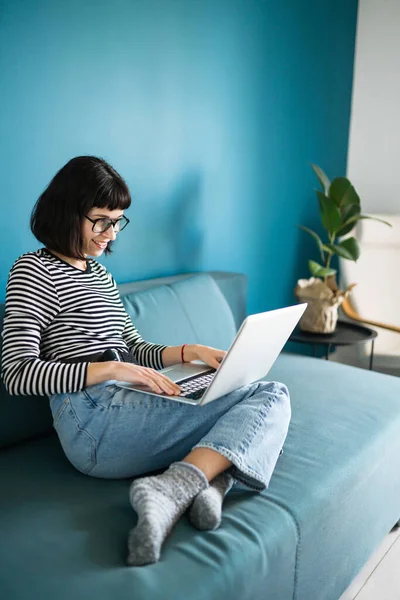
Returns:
(380,578)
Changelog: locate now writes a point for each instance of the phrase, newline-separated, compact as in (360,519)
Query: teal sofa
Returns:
(334,495)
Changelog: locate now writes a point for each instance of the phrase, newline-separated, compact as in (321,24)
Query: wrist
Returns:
(101,371)
(190,352)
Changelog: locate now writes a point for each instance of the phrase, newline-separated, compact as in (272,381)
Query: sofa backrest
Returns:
(204,308)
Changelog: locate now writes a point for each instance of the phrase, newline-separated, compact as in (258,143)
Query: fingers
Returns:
(159,382)
(211,356)
(220,355)
(164,383)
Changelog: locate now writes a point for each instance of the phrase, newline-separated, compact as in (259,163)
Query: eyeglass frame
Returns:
(113,222)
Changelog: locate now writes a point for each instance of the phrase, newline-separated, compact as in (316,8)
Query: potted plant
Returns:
(340,210)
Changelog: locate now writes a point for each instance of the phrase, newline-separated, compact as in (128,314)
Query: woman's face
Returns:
(95,243)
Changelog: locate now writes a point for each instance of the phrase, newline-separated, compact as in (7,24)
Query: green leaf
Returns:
(336,249)
(351,246)
(348,249)
(330,214)
(314,235)
(346,213)
(322,177)
(351,198)
(338,189)
(343,193)
(320,271)
(357,218)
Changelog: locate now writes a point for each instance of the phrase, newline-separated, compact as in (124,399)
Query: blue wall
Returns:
(211,110)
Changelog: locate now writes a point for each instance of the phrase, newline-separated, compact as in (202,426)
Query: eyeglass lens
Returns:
(103,224)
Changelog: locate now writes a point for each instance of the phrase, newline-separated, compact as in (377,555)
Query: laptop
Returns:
(251,355)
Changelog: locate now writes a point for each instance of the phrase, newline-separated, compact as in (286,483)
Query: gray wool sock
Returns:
(159,501)
(205,513)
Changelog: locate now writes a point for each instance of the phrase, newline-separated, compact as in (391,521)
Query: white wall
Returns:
(374,146)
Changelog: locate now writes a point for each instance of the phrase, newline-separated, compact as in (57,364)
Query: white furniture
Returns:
(375,301)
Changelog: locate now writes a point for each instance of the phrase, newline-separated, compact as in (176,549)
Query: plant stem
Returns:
(329,256)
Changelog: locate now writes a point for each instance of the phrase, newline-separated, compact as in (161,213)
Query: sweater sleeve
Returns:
(31,305)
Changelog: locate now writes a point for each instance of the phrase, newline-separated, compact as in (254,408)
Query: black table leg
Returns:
(328,347)
(371,358)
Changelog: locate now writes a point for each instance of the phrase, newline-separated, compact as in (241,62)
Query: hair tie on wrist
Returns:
(182,359)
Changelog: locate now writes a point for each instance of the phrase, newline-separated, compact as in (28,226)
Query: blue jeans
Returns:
(109,432)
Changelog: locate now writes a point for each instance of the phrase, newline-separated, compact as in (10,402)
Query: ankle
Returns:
(210,462)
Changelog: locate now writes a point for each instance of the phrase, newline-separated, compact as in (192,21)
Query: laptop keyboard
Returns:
(194,387)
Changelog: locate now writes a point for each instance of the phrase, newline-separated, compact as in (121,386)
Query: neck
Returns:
(78,264)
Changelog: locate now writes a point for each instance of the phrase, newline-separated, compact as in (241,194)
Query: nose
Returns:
(110,233)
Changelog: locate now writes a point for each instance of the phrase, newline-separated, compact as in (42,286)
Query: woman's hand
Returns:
(211,356)
(138,375)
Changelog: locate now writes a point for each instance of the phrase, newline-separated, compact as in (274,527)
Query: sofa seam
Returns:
(298,545)
(277,503)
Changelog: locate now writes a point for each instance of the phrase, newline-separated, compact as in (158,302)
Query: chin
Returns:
(91,253)
(93,250)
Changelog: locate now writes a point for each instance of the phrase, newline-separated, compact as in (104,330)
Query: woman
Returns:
(68,336)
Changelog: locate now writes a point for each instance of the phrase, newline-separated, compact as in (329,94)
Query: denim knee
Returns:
(281,395)
(278,389)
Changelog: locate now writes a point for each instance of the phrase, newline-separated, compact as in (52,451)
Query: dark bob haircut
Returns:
(84,182)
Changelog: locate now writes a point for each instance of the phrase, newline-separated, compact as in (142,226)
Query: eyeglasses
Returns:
(101,225)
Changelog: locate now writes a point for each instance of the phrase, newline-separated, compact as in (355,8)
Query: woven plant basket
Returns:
(321,314)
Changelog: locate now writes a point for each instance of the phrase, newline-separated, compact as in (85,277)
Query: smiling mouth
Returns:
(101,245)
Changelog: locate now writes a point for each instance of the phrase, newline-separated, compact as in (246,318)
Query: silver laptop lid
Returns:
(254,350)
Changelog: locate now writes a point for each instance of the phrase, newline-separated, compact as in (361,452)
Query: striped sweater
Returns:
(54,312)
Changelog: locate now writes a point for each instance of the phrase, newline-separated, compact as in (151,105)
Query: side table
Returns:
(345,334)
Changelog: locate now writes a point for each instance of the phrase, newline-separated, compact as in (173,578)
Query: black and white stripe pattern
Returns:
(54,312)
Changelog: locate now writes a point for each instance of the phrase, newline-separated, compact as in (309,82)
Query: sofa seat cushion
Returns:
(64,536)
(339,473)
